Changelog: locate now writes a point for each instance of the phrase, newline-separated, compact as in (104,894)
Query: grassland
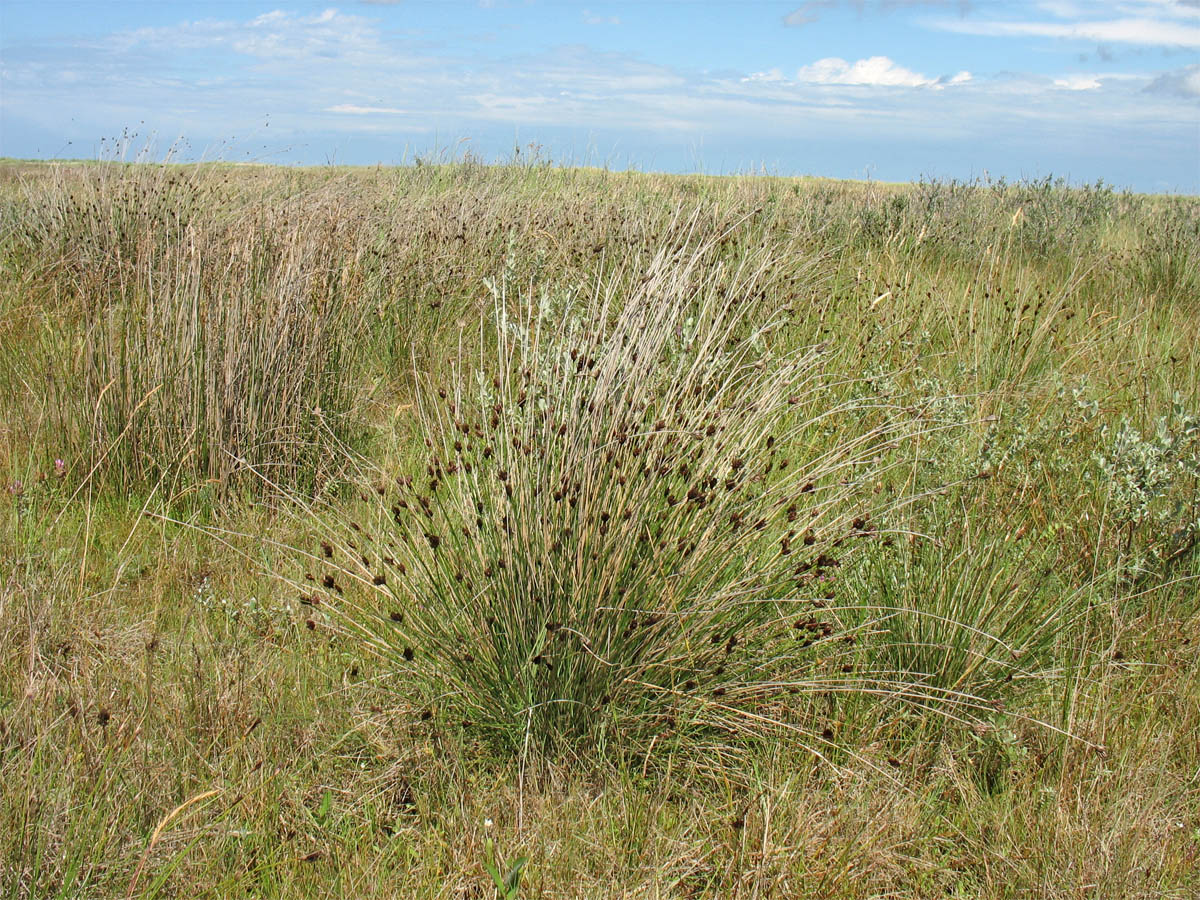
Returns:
(657,536)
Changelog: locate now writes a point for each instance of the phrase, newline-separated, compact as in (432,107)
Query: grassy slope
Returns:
(163,734)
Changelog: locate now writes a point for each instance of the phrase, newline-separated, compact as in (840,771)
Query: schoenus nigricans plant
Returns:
(662,418)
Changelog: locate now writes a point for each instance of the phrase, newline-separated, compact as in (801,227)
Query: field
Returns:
(517,531)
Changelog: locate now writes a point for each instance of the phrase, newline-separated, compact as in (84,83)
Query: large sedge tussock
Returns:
(627,519)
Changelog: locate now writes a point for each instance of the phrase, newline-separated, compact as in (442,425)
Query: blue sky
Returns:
(886,89)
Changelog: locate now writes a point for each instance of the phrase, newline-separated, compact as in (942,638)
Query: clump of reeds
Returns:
(214,337)
(625,522)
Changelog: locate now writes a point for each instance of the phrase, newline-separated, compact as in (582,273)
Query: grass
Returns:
(686,537)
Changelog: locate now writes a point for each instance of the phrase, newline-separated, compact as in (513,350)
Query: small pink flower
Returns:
(16,488)
(60,468)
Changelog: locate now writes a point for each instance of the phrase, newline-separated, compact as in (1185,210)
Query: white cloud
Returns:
(769,76)
(1077,82)
(352,110)
(874,71)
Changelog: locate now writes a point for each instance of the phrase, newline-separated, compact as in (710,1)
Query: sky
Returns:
(889,90)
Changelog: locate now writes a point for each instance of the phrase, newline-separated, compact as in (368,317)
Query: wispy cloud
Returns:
(811,11)
(808,12)
(1146,32)
(1148,23)
(352,110)
(276,35)
(1183,82)
(591,18)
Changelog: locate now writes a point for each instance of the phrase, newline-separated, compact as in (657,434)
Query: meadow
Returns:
(456,530)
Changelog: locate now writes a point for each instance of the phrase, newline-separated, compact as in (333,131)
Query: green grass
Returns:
(966,628)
